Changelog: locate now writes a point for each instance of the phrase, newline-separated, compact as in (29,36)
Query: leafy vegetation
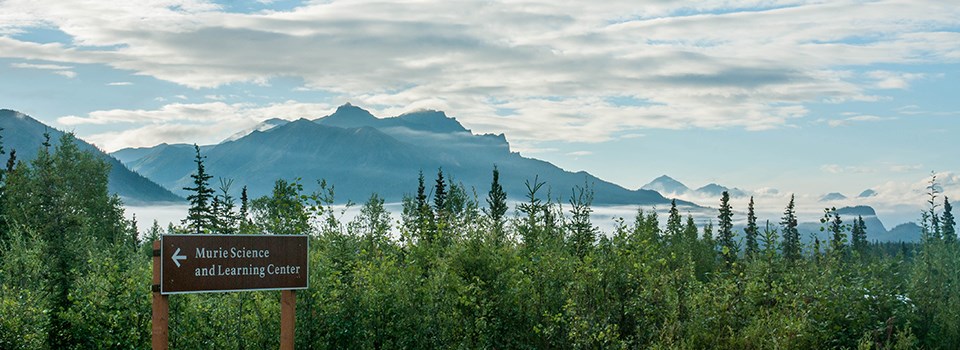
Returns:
(453,273)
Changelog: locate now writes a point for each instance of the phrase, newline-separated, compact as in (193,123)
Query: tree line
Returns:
(460,270)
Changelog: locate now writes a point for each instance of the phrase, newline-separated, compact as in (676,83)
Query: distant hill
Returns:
(876,231)
(832,196)
(861,210)
(666,185)
(715,190)
(908,232)
(362,154)
(25,135)
(867,193)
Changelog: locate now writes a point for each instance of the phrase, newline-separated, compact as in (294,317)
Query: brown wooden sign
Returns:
(229,263)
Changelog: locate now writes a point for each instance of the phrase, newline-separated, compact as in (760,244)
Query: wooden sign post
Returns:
(229,263)
(161,306)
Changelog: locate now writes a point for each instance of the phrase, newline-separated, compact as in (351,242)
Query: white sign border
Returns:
(162,292)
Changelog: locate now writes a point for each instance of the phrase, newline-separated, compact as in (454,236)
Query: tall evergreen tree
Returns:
(62,196)
(858,235)
(440,195)
(244,203)
(751,232)
(535,221)
(791,235)
(836,228)
(930,218)
(690,231)
(674,227)
(948,223)
(728,247)
(708,237)
(441,209)
(2,152)
(12,160)
(496,203)
(200,215)
(2,189)
(423,213)
(647,226)
(246,223)
(582,232)
(225,219)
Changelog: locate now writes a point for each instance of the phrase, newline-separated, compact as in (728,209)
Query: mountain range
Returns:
(361,154)
(25,135)
(669,186)
(876,231)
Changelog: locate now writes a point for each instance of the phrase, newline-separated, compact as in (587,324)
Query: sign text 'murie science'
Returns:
(251,269)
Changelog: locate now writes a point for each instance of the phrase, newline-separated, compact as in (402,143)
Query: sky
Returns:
(775,97)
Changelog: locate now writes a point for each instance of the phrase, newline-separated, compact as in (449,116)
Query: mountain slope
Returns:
(361,154)
(25,135)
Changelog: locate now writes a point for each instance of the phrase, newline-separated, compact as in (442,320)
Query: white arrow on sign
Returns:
(176,258)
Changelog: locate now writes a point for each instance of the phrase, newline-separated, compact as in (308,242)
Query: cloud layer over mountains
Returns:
(537,70)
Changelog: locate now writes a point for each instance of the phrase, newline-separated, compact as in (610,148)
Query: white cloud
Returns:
(554,63)
(202,123)
(40,66)
(893,80)
(856,118)
(57,69)
(839,169)
(578,154)
(903,168)
(66,73)
(120,83)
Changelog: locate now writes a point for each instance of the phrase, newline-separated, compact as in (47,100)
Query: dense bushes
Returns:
(449,274)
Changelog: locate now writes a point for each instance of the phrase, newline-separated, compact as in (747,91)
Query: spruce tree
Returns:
(2,152)
(948,223)
(423,214)
(496,203)
(225,219)
(582,232)
(930,218)
(690,231)
(791,235)
(11,161)
(246,223)
(199,216)
(751,232)
(674,224)
(535,214)
(2,185)
(647,226)
(440,195)
(728,247)
(244,203)
(858,235)
(839,239)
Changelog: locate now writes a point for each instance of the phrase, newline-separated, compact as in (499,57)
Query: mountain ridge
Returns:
(25,134)
(361,154)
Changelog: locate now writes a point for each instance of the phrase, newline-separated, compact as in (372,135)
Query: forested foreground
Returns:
(456,271)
